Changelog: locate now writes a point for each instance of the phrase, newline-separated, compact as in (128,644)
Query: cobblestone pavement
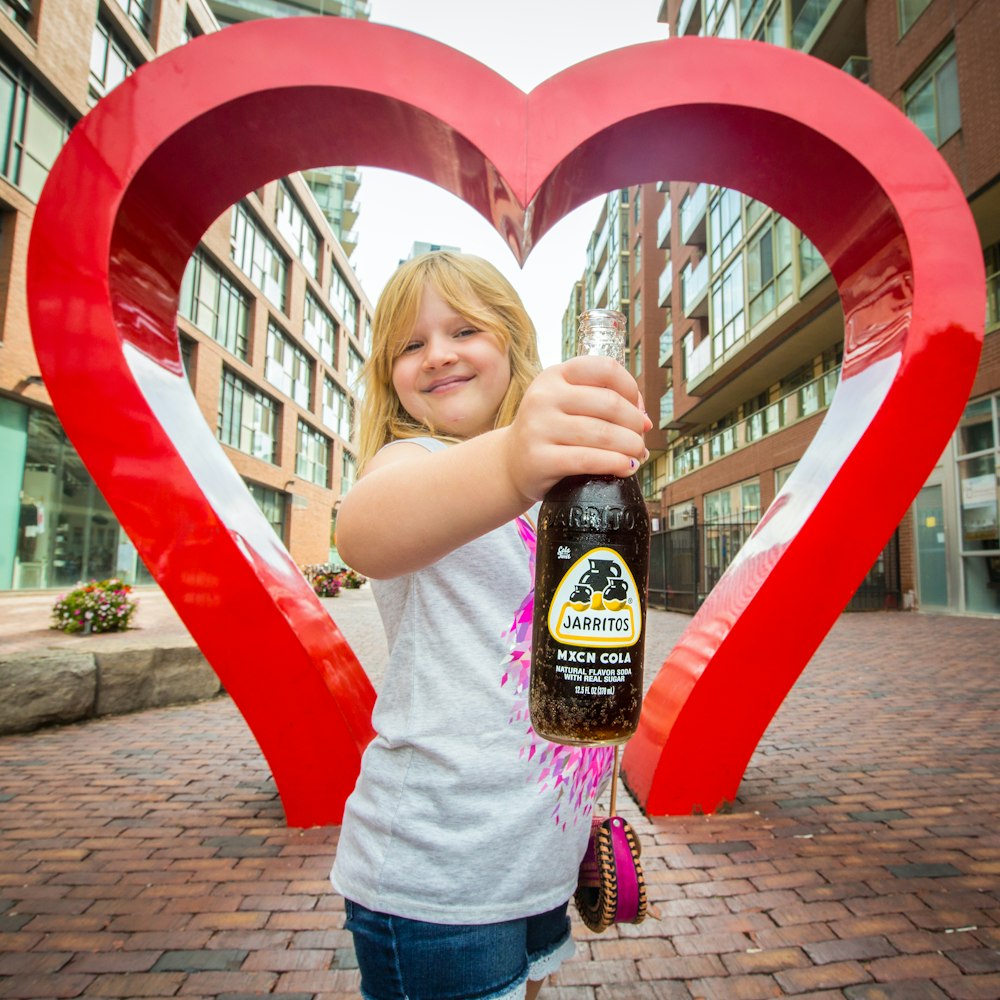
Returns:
(146,855)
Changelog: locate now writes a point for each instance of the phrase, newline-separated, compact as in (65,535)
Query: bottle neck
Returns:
(602,334)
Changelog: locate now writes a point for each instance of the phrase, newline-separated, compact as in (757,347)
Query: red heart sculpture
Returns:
(145,173)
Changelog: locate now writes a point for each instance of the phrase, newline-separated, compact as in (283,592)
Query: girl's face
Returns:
(451,376)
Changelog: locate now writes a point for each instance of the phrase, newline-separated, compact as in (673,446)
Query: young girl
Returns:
(462,840)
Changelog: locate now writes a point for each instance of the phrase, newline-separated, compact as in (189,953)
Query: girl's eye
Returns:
(466,332)
(413,345)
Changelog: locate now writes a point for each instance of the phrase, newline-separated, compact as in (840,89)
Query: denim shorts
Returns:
(403,959)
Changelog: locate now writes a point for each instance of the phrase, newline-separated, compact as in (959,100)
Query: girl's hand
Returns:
(582,417)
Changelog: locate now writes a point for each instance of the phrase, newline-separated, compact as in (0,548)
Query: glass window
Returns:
(991,257)
(248,420)
(258,256)
(728,322)
(12,98)
(288,367)
(978,491)
(975,429)
(312,455)
(355,368)
(33,131)
(931,101)
(273,506)
(319,330)
(726,26)
(774,26)
(110,62)
(139,13)
(730,515)
(909,11)
(344,300)
(810,260)
(978,445)
(769,268)
(215,305)
(750,11)
(19,11)
(189,353)
(725,226)
(338,409)
(65,530)
(348,471)
(782,475)
(296,228)
(43,138)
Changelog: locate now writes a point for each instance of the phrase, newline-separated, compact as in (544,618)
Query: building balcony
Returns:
(808,20)
(349,214)
(689,18)
(663,226)
(807,400)
(692,216)
(694,288)
(699,360)
(666,408)
(349,242)
(859,67)
(666,283)
(666,345)
(601,284)
(352,182)
(600,244)
(992,300)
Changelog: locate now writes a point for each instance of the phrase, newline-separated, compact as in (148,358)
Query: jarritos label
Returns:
(596,603)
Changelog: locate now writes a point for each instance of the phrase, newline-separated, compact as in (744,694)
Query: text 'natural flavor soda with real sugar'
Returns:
(592,563)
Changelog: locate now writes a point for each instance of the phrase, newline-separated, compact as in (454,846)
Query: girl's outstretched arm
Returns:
(411,507)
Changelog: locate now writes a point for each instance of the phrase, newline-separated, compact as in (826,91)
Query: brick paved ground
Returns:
(146,856)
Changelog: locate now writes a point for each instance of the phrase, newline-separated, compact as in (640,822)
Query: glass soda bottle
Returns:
(591,570)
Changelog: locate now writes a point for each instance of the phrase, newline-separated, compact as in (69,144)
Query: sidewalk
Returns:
(146,855)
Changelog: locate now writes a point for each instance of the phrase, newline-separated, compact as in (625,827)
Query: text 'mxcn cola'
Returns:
(591,569)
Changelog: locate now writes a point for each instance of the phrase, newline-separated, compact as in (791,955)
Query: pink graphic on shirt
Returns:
(573,773)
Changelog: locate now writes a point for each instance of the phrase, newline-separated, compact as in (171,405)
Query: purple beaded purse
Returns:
(611,888)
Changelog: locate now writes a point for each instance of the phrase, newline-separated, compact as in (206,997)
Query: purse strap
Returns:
(614,782)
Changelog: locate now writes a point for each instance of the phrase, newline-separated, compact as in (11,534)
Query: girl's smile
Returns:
(450,376)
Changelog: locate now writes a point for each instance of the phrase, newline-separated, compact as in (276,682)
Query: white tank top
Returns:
(461,814)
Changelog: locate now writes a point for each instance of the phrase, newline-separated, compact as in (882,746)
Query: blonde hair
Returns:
(476,290)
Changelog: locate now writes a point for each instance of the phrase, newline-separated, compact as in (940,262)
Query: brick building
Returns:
(736,326)
(273,324)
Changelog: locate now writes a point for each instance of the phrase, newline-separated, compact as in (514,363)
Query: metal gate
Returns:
(686,563)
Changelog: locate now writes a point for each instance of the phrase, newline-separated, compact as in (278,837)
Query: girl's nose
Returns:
(440,351)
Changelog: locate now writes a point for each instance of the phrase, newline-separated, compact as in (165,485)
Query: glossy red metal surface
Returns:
(146,172)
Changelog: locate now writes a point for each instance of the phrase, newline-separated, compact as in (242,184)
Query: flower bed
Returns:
(97,606)
(328,581)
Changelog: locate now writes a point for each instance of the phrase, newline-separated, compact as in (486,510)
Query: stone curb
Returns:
(56,687)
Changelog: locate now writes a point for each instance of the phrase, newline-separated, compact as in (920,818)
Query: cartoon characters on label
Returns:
(594,604)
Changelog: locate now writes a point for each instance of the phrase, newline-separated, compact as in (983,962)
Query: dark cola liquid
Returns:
(589,626)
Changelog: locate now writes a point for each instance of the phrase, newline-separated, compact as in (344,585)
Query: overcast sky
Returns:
(526,41)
